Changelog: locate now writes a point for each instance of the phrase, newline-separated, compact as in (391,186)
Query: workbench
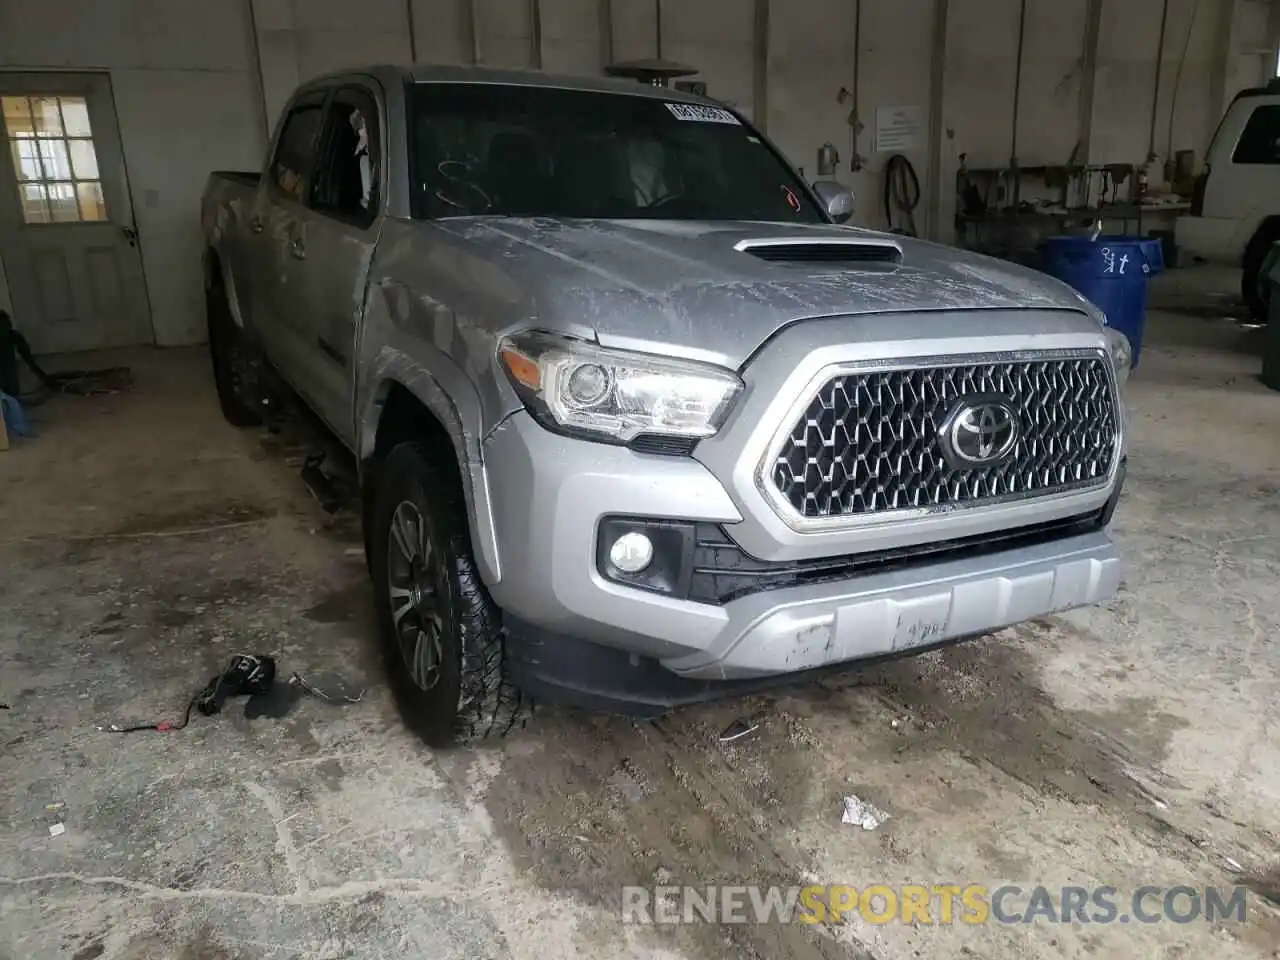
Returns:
(1017,234)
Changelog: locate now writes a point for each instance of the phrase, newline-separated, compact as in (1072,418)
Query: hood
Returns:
(708,290)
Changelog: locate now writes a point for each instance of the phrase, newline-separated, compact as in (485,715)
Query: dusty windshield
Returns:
(524,151)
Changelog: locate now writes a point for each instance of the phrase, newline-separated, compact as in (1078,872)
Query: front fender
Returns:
(457,408)
(1261,216)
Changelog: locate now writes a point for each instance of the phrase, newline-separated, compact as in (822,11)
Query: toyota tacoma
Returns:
(640,421)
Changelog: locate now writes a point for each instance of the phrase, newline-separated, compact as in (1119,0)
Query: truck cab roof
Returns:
(445,73)
(1271,88)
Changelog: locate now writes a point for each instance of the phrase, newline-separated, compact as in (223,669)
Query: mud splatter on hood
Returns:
(642,282)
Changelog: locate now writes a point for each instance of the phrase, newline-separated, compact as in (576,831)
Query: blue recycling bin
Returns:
(15,420)
(1112,273)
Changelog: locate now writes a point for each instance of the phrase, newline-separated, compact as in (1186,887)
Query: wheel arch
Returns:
(1267,226)
(424,413)
(216,275)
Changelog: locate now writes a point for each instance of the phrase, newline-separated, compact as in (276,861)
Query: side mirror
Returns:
(837,199)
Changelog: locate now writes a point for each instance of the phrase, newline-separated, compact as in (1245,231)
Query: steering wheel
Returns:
(458,173)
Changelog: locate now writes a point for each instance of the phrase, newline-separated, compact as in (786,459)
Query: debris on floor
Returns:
(322,486)
(329,687)
(865,815)
(280,699)
(740,728)
(57,829)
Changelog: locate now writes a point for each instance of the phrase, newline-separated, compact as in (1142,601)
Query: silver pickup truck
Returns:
(639,421)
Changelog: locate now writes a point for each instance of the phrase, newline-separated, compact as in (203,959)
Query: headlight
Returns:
(613,395)
(1121,353)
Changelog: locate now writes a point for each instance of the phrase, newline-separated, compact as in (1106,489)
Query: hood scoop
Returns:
(833,250)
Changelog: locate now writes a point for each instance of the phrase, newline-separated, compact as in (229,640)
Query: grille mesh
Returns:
(868,442)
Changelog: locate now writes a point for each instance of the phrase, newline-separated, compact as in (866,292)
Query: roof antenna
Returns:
(655,72)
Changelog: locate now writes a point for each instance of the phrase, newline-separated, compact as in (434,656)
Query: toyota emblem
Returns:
(979,432)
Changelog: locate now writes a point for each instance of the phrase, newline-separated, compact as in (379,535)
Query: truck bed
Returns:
(226,204)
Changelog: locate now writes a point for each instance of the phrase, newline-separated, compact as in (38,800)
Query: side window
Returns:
(347,174)
(295,147)
(1260,140)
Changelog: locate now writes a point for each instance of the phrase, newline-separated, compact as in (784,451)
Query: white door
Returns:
(67,235)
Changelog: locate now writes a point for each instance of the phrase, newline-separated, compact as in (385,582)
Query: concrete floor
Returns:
(142,542)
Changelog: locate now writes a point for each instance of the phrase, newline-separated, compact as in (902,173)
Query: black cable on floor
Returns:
(163,726)
(81,383)
(901,194)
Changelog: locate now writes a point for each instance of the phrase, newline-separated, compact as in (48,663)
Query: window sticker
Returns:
(701,113)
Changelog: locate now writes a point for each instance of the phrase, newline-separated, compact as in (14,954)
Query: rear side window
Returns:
(296,147)
(1260,141)
(345,180)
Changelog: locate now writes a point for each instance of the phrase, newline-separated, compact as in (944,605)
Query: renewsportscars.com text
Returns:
(932,904)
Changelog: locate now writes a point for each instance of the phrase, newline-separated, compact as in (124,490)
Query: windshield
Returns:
(525,151)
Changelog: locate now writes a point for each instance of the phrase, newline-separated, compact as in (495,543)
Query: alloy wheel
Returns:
(413,568)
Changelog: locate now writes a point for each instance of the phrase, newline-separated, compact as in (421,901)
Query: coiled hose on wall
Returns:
(901,195)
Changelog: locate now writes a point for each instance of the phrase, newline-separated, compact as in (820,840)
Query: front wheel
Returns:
(441,633)
(1251,280)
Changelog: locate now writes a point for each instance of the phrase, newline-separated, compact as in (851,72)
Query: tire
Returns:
(1254,256)
(442,640)
(224,346)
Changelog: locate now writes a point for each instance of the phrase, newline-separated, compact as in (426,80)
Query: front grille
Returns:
(868,443)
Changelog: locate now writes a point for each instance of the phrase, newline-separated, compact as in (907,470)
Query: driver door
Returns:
(332,244)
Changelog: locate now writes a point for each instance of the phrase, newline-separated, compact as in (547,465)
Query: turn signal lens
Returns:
(1121,354)
(521,369)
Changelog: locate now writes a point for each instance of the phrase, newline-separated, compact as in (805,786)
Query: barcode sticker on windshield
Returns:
(702,114)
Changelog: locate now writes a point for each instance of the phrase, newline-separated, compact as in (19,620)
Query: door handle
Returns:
(298,249)
(256,224)
(131,235)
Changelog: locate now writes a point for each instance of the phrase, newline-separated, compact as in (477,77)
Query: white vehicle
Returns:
(1235,209)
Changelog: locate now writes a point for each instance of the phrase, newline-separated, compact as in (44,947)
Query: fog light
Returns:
(631,552)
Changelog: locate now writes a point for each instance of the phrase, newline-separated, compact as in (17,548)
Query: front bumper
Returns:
(885,614)
(548,494)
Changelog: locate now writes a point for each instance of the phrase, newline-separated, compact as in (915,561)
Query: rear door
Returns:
(336,237)
(67,237)
(274,260)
